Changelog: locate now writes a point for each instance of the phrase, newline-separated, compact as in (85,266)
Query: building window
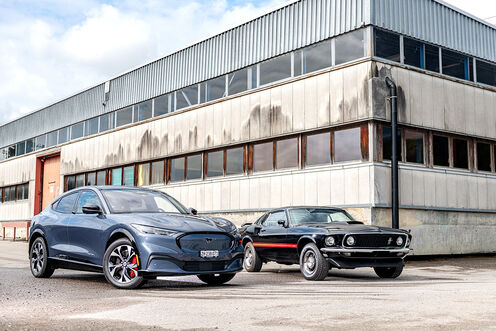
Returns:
(77,130)
(235,161)
(26,191)
(349,47)
(413,51)
(347,145)
(460,153)
(242,80)
(318,149)
(387,45)
(431,58)
(483,156)
(275,69)
(177,169)
(101,177)
(143,174)
(52,139)
(124,116)
(313,58)
(20,193)
(128,177)
(287,153)
(164,104)
(440,145)
(215,164)
(116,177)
(454,64)
(71,182)
(486,73)
(40,142)
(80,180)
(63,135)
(194,167)
(158,168)
(91,127)
(91,179)
(106,122)
(414,146)
(11,151)
(143,111)
(387,143)
(21,148)
(187,97)
(29,145)
(263,157)
(213,89)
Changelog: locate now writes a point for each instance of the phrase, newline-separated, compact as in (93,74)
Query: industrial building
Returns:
(290,108)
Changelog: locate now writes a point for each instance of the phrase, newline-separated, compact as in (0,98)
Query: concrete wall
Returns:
(18,171)
(321,100)
(436,102)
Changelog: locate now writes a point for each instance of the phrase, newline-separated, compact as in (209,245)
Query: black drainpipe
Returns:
(393,101)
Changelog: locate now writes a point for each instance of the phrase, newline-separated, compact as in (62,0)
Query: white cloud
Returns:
(46,57)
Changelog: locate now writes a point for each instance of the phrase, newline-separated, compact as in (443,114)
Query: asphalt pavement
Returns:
(441,293)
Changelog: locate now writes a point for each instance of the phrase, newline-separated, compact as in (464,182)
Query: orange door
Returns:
(51,180)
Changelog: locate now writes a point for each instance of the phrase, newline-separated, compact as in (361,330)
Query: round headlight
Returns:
(399,241)
(330,241)
(350,241)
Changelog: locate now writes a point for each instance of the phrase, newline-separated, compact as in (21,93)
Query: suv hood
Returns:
(177,222)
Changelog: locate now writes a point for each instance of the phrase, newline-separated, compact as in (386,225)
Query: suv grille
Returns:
(375,240)
(205,241)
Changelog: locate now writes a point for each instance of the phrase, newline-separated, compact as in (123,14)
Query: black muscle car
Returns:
(319,238)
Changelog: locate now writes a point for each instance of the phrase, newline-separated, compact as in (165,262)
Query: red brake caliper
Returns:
(132,271)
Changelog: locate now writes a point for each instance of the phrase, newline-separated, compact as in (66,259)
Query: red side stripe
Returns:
(275,245)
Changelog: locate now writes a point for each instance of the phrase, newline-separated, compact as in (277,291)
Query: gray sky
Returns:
(54,48)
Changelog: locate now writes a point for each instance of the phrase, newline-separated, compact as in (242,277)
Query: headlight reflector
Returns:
(399,241)
(330,241)
(350,241)
(153,230)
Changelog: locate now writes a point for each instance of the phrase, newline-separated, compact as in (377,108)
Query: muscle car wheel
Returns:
(120,265)
(252,262)
(38,258)
(384,272)
(216,279)
(313,265)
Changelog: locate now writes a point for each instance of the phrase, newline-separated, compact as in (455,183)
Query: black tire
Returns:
(251,262)
(120,265)
(38,259)
(385,272)
(216,279)
(313,265)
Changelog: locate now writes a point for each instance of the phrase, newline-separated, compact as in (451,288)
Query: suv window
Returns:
(66,204)
(88,198)
(273,218)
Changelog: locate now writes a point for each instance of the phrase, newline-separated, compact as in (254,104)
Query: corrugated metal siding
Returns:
(434,22)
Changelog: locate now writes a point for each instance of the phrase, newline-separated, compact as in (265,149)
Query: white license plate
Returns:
(207,254)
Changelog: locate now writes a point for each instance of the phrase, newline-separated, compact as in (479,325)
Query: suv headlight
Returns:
(153,230)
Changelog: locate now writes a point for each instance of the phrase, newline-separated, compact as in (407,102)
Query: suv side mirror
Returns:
(92,209)
(192,211)
(282,222)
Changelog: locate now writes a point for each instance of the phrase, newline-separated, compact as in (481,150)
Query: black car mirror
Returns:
(282,222)
(192,211)
(92,209)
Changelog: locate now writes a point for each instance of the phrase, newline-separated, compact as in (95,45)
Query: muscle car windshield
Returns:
(318,215)
(133,201)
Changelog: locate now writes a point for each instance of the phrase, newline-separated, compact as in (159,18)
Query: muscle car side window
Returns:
(274,218)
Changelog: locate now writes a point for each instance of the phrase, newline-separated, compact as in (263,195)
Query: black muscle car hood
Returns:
(353,227)
(177,222)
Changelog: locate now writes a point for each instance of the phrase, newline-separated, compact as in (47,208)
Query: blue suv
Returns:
(131,235)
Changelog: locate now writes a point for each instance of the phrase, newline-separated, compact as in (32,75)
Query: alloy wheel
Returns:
(309,262)
(37,257)
(248,258)
(123,264)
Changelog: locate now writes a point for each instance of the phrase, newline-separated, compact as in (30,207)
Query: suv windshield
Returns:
(137,201)
(318,215)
